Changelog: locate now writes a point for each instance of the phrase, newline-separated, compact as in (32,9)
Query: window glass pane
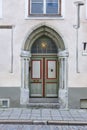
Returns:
(52,8)
(52,1)
(0,8)
(37,8)
(37,1)
(44,45)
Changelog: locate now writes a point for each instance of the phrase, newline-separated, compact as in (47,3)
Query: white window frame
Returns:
(86,9)
(45,17)
(44,8)
(63,8)
(0,9)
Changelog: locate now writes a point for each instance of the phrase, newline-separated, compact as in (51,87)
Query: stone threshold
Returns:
(43,105)
(43,100)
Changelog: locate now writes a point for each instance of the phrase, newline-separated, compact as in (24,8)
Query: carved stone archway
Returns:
(62,58)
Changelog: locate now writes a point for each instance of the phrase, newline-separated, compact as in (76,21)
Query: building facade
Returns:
(39,53)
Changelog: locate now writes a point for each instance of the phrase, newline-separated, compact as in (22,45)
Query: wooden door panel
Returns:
(36,69)
(36,78)
(51,90)
(51,80)
(51,69)
(36,90)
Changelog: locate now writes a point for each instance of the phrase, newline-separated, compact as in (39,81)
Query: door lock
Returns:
(36,80)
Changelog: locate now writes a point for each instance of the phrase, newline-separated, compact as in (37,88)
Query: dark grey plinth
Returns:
(12,93)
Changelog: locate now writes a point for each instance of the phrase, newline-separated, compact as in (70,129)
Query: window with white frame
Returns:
(0,8)
(86,9)
(44,7)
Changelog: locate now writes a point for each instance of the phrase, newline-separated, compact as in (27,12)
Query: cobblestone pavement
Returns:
(43,114)
(41,127)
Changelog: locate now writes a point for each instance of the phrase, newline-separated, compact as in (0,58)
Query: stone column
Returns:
(63,77)
(25,57)
(65,72)
(27,73)
(22,72)
(61,73)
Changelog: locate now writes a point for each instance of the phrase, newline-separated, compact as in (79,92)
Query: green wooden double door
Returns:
(44,76)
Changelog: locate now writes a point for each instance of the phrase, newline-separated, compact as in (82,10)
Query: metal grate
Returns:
(4,103)
(83,103)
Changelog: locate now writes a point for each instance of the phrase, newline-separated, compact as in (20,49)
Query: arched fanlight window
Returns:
(44,44)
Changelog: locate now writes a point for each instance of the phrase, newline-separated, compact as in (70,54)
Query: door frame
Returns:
(63,78)
(33,34)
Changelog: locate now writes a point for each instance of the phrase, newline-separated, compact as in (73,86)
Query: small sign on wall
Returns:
(84,52)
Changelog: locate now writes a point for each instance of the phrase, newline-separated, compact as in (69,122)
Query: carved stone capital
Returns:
(64,53)
(25,54)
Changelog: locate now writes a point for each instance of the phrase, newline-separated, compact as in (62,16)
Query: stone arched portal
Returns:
(62,55)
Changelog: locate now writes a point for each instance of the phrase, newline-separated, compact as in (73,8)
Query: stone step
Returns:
(43,105)
(43,100)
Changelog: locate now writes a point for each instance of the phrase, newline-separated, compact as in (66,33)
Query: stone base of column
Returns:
(63,98)
(24,96)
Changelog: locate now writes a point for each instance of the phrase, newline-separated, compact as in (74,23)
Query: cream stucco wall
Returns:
(14,14)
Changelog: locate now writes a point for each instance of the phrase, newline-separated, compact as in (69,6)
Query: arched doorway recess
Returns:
(44,50)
